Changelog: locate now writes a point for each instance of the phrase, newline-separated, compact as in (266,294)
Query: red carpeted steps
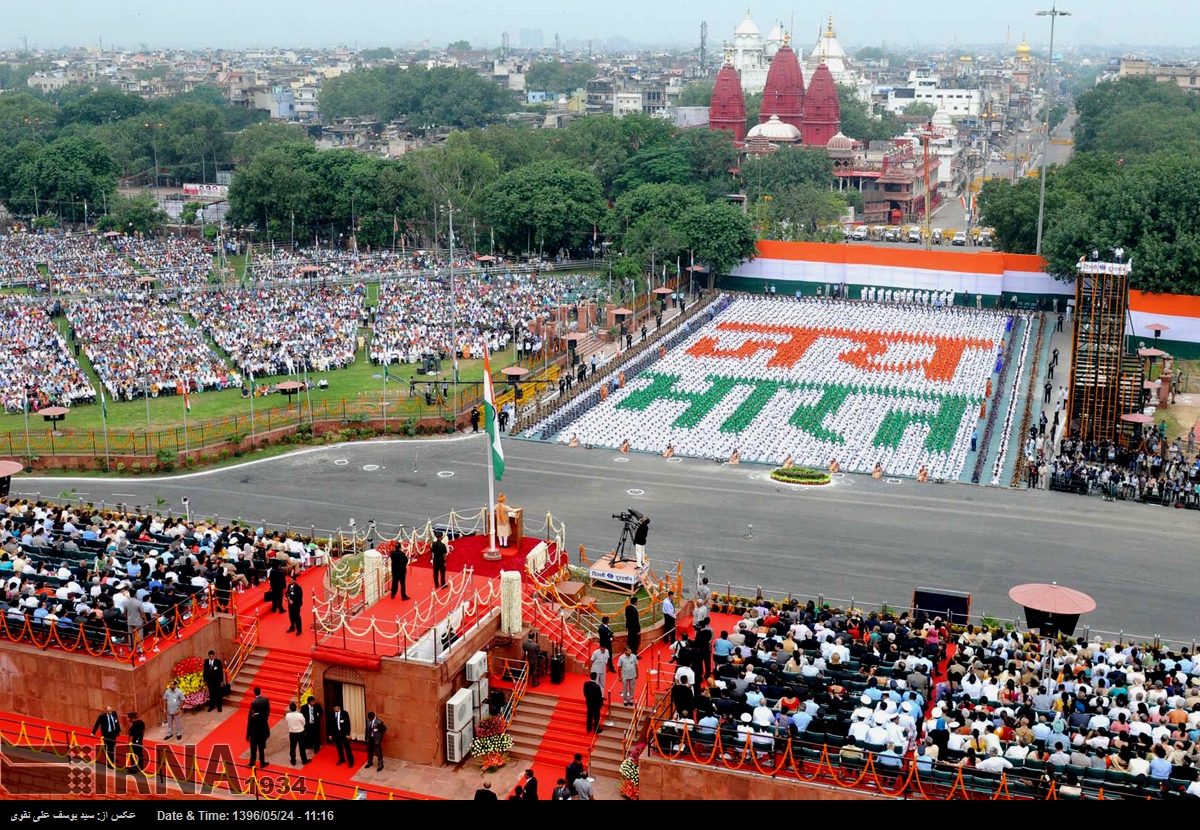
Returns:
(551,730)
(275,672)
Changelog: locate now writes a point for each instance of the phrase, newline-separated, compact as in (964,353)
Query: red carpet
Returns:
(467,552)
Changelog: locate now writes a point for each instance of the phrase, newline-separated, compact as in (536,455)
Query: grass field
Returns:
(362,380)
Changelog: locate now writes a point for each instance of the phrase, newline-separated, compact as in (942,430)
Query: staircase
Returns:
(272,671)
(551,730)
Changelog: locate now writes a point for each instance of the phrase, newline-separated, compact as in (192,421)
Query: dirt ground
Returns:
(1185,413)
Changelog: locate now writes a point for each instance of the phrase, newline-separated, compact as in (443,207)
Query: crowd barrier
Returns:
(101,641)
(817,764)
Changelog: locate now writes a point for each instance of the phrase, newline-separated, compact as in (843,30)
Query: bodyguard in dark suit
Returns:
(137,738)
(258,727)
(295,602)
(633,626)
(339,736)
(313,713)
(109,727)
(605,635)
(399,572)
(375,732)
(593,698)
(214,679)
(277,579)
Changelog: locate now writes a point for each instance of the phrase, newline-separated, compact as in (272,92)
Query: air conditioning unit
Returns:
(479,693)
(458,743)
(483,712)
(458,710)
(477,666)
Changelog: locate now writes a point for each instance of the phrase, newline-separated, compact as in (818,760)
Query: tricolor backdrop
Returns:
(803,266)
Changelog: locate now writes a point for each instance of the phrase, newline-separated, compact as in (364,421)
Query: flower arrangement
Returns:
(492,761)
(630,775)
(492,744)
(189,674)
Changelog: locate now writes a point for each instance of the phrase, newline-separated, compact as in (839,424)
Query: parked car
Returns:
(891,235)
(860,234)
(960,238)
(914,234)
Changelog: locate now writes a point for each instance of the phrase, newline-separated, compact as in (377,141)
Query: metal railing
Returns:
(247,640)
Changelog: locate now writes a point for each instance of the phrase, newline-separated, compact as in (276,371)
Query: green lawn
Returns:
(352,384)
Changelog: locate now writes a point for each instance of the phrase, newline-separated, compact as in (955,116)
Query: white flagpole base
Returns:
(492,554)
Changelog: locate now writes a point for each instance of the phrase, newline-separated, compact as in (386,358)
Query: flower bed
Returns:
(189,674)
(800,475)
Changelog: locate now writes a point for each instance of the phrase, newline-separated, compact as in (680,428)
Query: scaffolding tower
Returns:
(1106,381)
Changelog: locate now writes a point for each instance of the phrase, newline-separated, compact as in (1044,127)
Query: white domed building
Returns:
(770,135)
(751,54)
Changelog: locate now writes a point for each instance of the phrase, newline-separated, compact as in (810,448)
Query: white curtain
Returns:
(354,703)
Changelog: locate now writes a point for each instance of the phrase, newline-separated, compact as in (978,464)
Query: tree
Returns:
(459,46)
(442,97)
(1011,211)
(62,177)
(803,214)
(659,164)
(455,173)
(753,109)
(788,169)
(510,146)
(666,202)
(859,123)
(696,94)
(192,139)
(102,107)
(23,117)
(377,54)
(544,206)
(719,235)
(920,109)
(712,156)
(558,77)
(258,137)
(140,214)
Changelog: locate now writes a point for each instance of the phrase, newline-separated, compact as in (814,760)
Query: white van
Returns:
(860,234)
(914,234)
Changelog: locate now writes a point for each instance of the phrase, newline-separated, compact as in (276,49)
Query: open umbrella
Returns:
(1137,418)
(1052,608)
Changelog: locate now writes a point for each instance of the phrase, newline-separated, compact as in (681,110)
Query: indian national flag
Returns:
(187,402)
(103,406)
(493,422)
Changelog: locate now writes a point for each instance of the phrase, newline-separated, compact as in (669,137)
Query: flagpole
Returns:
(104,418)
(185,409)
(250,373)
(29,447)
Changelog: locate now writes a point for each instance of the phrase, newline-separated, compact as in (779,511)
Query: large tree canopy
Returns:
(718,234)
(544,206)
(429,98)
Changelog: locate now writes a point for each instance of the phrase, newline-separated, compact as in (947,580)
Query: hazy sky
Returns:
(235,23)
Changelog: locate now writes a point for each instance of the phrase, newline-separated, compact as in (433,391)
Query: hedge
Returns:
(800,475)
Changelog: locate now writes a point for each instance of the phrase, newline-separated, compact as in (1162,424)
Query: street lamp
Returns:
(1054,13)
(154,144)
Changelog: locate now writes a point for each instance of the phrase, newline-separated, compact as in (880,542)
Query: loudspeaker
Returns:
(5,484)
(936,602)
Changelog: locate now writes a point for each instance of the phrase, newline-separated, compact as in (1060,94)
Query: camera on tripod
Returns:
(629,516)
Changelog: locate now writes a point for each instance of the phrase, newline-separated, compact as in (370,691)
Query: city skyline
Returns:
(53,24)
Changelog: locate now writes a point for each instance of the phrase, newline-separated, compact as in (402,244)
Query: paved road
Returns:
(858,538)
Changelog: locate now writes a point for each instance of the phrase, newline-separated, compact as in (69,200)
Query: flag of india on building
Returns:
(492,420)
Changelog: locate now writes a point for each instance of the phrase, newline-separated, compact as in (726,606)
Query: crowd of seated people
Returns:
(851,379)
(75,569)
(173,261)
(80,263)
(146,347)
(1153,470)
(36,364)
(1067,714)
(282,329)
(415,316)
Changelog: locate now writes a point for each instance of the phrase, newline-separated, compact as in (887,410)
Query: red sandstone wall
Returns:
(662,780)
(67,688)
(410,698)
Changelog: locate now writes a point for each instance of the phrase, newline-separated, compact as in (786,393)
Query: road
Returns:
(858,538)
(950,214)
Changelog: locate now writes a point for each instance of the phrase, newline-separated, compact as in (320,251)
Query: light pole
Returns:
(154,144)
(1054,13)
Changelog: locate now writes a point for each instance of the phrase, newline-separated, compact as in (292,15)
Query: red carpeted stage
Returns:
(467,552)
